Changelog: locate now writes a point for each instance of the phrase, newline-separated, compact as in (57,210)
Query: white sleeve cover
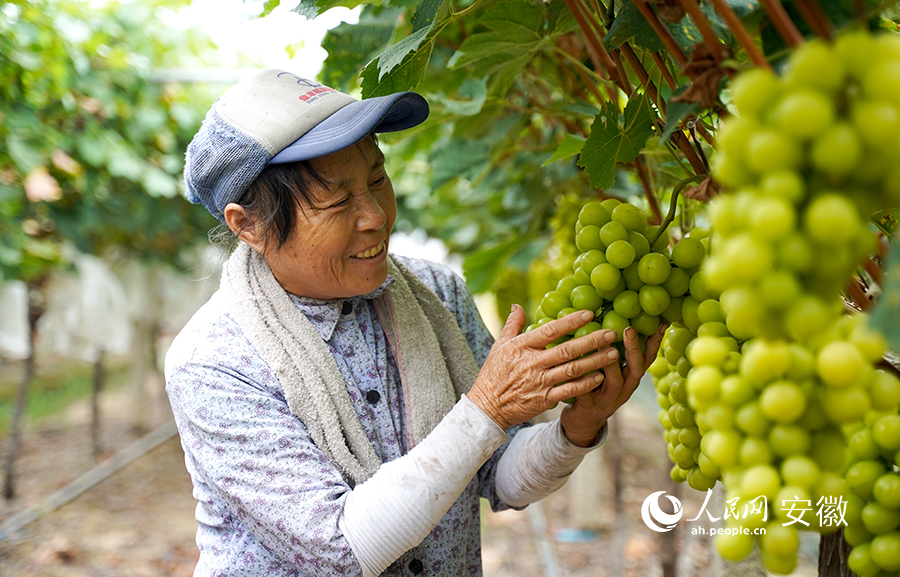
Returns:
(537,462)
(396,508)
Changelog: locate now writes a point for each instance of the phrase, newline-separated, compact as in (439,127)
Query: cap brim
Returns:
(353,122)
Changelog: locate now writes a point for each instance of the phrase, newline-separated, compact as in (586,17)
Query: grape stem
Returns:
(673,204)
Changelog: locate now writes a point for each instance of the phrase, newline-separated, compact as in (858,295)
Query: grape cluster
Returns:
(618,274)
(873,506)
(764,383)
(808,158)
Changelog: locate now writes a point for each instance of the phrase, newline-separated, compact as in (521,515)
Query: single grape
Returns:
(772,150)
(886,490)
(831,219)
(786,440)
(754,90)
(751,420)
(589,260)
(627,304)
(610,203)
(585,298)
(885,551)
(654,268)
(837,151)
(884,391)
(755,451)
(689,313)
(672,313)
(780,540)
(632,279)
(677,283)
(640,243)
(772,218)
(614,322)
(786,184)
(800,470)
(760,480)
(605,277)
(804,113)
(620,253)
(886,432)
(654,299)
(688,252)
(778,288)
(630,217)
(861,563)
(594,213)
(861,477)
(553,302)
(878,519)
(611,232)
(840,364)
(877,122)
(815,65)
(589,238)
(566,284)
(734,546)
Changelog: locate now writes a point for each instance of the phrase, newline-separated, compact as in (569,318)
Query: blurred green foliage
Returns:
(91,144)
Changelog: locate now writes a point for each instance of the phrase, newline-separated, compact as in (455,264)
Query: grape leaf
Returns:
(569,147)
(404,76)
(514,37)
(396,54)
(312,8)
(402,65)
(426,14)
(608,145)
(351,45)
(631,26)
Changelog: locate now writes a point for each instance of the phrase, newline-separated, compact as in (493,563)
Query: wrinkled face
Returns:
(339,247)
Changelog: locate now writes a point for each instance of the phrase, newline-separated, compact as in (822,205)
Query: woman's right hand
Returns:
(521,378)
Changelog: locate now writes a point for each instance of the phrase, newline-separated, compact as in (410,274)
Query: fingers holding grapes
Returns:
(583,419)
(522,377)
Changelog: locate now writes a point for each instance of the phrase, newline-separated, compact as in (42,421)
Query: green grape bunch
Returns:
(807,159)
(764,383)
(619,276)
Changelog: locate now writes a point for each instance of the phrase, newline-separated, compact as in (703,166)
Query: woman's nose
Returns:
(371,215)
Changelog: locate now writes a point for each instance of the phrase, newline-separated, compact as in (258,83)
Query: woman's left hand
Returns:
(582,420)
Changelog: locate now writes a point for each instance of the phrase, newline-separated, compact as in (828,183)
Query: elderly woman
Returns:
(342,410)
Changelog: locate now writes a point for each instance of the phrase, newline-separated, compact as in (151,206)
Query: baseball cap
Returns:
(276,117)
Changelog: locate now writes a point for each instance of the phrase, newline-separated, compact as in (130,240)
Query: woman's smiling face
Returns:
(339,246)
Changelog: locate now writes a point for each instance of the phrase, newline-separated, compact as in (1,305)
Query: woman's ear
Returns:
(241,225)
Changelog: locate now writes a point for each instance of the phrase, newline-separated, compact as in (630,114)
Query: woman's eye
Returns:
(379,181)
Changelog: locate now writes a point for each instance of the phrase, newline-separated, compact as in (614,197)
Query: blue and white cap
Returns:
(276,117)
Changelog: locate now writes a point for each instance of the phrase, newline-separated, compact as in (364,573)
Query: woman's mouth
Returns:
(372,252)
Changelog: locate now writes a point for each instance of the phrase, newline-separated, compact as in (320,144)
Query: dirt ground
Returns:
(139,522)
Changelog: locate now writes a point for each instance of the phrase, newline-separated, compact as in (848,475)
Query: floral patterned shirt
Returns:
(268,498)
